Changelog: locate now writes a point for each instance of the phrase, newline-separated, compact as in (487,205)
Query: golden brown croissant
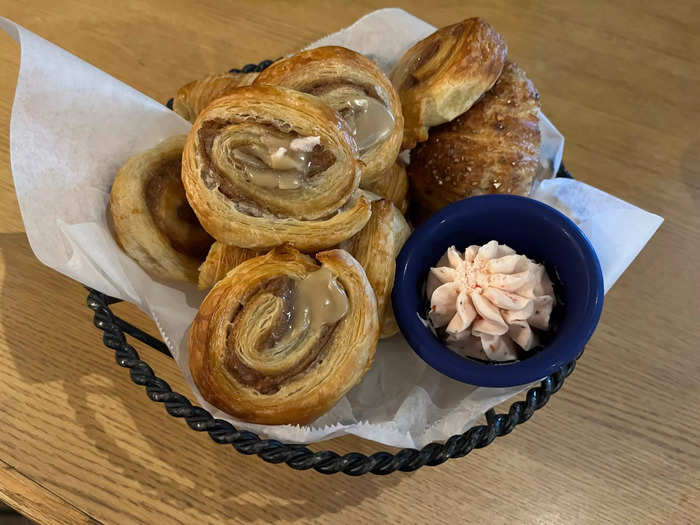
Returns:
(393,185)
(220,260)
(375,247)
(267,165)
(192,98)
(492,148)
(280,340)
(153,223)
(356,88)
(441,76)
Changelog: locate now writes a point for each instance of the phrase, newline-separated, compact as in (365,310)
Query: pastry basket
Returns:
(300,457)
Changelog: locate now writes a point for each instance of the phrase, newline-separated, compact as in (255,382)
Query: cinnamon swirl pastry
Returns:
(192,98)
(376,247)
(441,76)
(356,88)
(220,260)
(280,339)
(492,148)
(267,165)
(153,223)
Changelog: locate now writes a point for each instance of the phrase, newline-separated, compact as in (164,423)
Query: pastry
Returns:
(153,223)
(267,165)
(375,247)
(492,148)
(354,86)
(393,185)
(280,339)
(220,260)
(192,98)
(441,76)
(487,300)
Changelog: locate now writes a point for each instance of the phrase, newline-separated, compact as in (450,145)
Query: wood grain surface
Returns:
(620,444)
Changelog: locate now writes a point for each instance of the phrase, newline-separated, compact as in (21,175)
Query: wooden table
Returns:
(79,443)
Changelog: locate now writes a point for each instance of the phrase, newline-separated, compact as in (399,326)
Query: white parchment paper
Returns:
(73,126)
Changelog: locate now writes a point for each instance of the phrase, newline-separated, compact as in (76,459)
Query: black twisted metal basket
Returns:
(300,457)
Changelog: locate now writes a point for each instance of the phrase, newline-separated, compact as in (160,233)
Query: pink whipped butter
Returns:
(489,299)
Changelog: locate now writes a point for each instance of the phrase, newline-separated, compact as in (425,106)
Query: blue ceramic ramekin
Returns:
(529,227)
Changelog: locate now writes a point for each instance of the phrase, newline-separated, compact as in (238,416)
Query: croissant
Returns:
(441,76)
(192,98)
(375,247)
(220,259)
(393,185)
(153,223)
(280,340)
(267,165)
(493,148)
(355,87)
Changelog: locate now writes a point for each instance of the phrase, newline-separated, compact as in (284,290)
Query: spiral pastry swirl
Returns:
(357,89)
(268,165)
(280,340)
(441,76)
(153,222)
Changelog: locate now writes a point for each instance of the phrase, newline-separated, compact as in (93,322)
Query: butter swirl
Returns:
(492,296)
